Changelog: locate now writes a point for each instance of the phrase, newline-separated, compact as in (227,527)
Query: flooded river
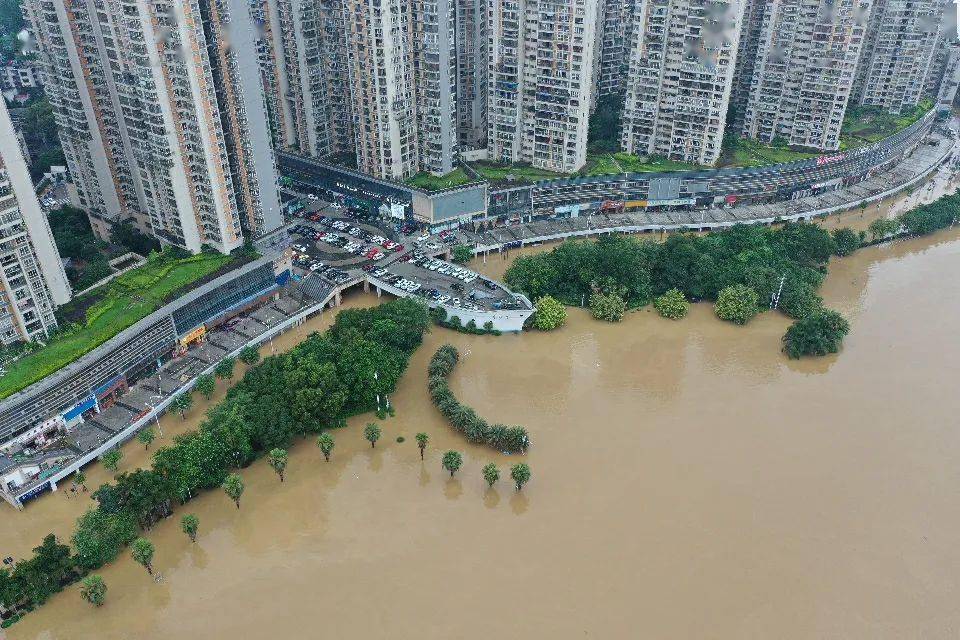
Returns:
(688,482)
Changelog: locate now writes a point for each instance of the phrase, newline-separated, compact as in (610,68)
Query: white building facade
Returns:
(542,59)
(162,116)
(806,63)
(680,78)
(32,279)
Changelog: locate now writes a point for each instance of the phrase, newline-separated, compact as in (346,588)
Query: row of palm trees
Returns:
(93,589)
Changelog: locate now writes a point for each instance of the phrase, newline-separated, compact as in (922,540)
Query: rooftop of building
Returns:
(97,316)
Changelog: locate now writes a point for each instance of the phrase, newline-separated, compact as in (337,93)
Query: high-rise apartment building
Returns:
(161,113)
(471,37)
(305,73)
(898,53)
(32,279)
(402,66)
(680,78)
(616,36)
(950,80)
(806,62)
(542,59)
(946,34)
(751,29)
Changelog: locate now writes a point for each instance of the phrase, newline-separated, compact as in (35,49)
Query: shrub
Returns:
(881,228)
(737,304)
(817,334)
(462,253)
(672,304)
(798,300)
(847,241)
(550,314)
(438,314)
(607,306)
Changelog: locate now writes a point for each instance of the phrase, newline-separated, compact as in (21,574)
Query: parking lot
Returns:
(441,282)
(335,247)
(331,245)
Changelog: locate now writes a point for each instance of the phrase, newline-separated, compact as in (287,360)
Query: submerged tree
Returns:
(372,433)
(142,551)
(550,314)
(111,459)
(422,440)
(80,478)
(145,437)
(737,303)
(249,355)
(94,590)
(520,474)
(182,403)
(672,305)
(233,487)
(452,461)
(206,385)
(190,525)
(278,459)
(224,370)
(326,444)
(491,474)
(817,334)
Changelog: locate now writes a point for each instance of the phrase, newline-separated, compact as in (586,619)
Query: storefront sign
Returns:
(194,335)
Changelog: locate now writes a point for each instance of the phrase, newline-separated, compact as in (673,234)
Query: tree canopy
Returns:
(817,334)
(322,380)
(699,267)
(550,314)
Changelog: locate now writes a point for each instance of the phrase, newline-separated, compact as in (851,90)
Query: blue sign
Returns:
(85,405)
(33,493)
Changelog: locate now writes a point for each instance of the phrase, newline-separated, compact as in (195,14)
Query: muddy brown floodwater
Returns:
(688,482)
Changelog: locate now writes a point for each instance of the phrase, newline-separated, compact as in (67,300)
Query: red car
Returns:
(371,253)
(398,247)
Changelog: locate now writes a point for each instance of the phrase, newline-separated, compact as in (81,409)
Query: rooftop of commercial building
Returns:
(98,316)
